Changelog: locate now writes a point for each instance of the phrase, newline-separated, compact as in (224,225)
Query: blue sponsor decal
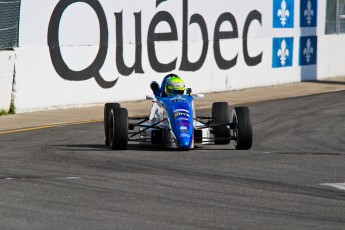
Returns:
(308,50)
(282,54)
(308,17)
(283,13)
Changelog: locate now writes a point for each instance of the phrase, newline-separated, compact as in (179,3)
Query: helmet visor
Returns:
(176,92)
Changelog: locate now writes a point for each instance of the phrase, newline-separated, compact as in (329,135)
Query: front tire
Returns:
(220,114)
(107,109)
(242,132)
(118,129)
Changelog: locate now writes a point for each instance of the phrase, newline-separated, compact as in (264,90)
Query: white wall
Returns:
(332,56)
(6,78)
(39,86)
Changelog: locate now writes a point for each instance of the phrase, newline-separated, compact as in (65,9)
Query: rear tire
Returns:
(107,108)
(242,132)
(220,114)
(118,129)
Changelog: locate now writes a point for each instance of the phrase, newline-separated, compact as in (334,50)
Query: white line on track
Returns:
(340,186)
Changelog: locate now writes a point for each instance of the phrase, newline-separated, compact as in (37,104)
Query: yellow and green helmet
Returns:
(174,86)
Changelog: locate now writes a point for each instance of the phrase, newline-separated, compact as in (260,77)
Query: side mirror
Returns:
(188,91)
(154,86)
(198,95)
(151,97)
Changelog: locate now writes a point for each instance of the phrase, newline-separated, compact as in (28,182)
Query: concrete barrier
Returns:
(6,78)
(74,53)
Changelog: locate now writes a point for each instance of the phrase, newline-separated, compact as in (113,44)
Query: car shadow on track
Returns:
(83,147)
(100,147)
(138,147)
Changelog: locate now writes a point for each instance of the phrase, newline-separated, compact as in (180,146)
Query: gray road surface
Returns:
(65,178)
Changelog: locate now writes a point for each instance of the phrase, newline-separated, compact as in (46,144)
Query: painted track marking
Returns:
(340,186)
(48,126)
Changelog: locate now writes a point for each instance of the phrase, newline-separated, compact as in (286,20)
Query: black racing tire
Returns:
(118,129)
(242,132)
(220,114)
(107,108)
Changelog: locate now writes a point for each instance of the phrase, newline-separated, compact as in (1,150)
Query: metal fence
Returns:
(335,17)
(9,22)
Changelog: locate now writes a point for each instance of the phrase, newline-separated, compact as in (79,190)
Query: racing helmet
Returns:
(174,86)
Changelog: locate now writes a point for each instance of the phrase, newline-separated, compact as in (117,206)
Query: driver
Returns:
(172,85)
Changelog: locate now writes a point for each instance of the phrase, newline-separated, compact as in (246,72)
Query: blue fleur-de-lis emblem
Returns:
(283,13)
(283,53)
(308,51)
(309,12)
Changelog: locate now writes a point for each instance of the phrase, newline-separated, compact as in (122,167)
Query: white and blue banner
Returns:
(282,54)
(308,13)
(283,13)
(308,50)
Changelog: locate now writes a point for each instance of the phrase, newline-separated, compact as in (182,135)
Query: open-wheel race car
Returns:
(173,123)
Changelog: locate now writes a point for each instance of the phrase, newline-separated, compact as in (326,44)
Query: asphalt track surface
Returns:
(65,178)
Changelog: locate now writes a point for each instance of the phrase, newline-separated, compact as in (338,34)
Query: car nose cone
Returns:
(185,142)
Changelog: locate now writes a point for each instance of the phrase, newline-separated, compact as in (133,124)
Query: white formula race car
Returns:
(173,123)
